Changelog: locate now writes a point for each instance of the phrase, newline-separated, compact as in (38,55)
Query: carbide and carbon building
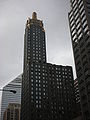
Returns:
(9,97)
(47,89)
(79,21)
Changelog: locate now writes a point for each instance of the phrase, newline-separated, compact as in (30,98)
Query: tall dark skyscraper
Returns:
(79,20)
(47,89)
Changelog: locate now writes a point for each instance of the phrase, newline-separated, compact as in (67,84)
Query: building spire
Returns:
(34,15)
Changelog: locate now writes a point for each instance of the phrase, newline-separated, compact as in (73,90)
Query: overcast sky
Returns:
(13,16)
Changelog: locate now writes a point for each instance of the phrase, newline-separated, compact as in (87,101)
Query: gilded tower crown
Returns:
(34,15)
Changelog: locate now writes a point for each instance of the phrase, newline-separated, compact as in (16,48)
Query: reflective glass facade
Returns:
(9,97)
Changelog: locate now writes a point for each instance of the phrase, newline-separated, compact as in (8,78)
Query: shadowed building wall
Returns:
(79,21)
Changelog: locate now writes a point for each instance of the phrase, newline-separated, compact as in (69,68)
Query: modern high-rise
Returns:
(9,97)
(47,89)
(79,21)
(12,112)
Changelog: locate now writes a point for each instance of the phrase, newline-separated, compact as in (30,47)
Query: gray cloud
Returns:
(13,15)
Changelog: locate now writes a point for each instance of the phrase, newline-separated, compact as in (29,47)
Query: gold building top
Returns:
(35,21)
(34,16)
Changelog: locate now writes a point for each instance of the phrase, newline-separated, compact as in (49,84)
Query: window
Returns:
(36,85)
(40,107)
(36,80)
(36,97)
(39,81)
(39,89)
(31,88)
(31,80)
(31,92)
(36,77)
(31,72)
(32,97)
(39,97)
(36,106)
(39,93)
(36,89)
(31,84)
(43,89)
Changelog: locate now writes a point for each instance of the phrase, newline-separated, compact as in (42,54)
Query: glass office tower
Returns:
(9,97)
